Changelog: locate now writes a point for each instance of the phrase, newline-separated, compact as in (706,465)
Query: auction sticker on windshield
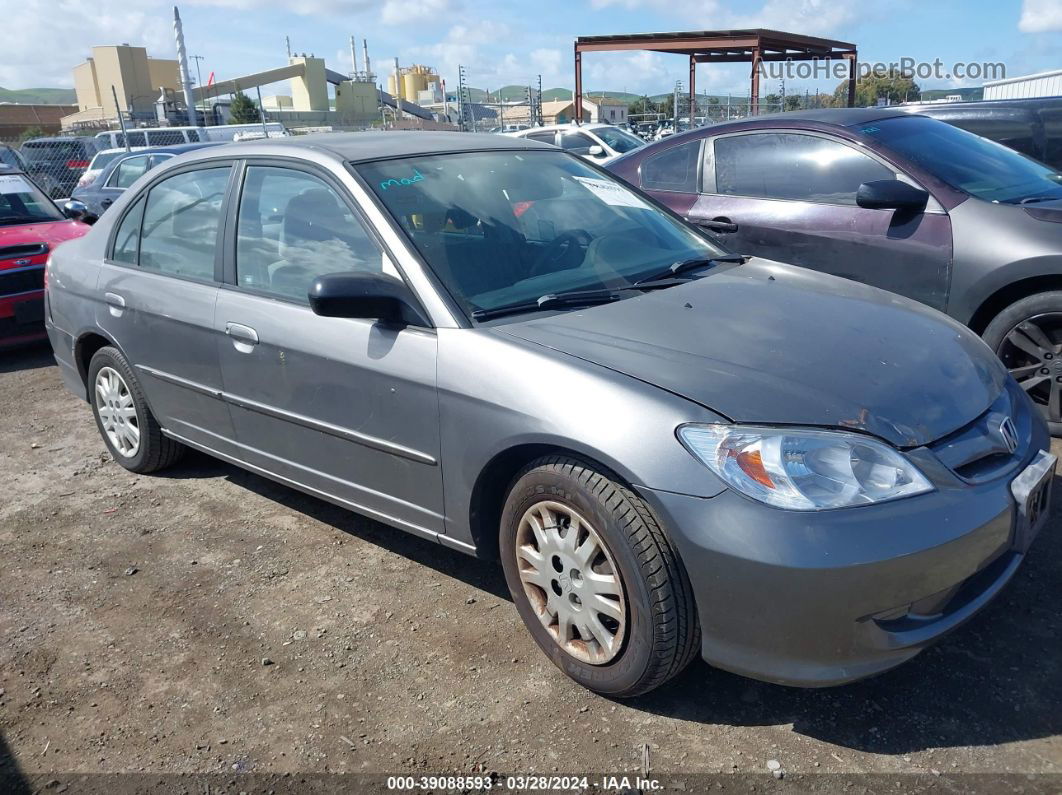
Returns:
(611,193)
(13,183)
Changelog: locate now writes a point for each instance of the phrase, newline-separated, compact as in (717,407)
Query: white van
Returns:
(170,136)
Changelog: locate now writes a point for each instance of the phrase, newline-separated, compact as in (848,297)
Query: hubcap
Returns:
(1032,351)
(117,413)
(571,581)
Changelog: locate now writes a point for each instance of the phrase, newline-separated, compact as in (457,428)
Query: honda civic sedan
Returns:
(493,344)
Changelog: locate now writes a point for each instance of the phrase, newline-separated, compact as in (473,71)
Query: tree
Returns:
(32,132)
(242,110)
(894,86)
(792,102)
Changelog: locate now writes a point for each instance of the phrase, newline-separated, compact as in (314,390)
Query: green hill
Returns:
(39,96)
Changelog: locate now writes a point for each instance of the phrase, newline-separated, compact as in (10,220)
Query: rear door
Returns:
(791,196)
(342,407)
(159,285)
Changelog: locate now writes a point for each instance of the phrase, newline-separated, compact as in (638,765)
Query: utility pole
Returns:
(678,88)
(198,84)
(121,118)
(538,103)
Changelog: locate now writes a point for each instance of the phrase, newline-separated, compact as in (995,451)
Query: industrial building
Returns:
(1043,84)
(137,79)
(416,83)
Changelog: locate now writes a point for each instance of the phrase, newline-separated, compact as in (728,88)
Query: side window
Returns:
(293,227)
(181,222)
(128,171)
(128,235)
(794,167)
(543,137)
(1052,121)
(577,143)
(157,160)
(193,135)
(135,139)
(165,137)
(673,169)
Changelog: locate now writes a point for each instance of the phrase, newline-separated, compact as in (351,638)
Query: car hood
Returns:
(770,343)
(50,232)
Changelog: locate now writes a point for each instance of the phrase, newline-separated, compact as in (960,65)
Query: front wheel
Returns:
(595,580)
(1027,337)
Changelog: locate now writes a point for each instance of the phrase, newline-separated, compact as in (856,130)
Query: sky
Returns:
(504,42)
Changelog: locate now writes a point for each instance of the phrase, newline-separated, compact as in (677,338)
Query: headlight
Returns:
(804,469)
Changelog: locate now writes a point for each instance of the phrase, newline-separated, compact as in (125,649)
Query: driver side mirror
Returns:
(373,296)
(79,211)
(891,194)
(596,150)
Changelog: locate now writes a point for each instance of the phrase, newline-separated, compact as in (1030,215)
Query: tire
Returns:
(1041,316)
(659,634)
(119,392)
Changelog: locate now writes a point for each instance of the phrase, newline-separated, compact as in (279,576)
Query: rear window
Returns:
(35,151)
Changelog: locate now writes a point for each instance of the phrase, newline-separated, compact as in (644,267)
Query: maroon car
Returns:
(896,200)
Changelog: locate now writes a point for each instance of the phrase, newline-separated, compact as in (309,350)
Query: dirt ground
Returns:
(207,620)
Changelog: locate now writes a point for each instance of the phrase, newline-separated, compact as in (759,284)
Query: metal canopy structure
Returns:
(722,46)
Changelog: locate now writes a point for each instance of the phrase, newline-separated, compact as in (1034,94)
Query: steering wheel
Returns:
(558,250)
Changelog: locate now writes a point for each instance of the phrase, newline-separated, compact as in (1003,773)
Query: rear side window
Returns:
(127,239)
(128,171)
(193,135)
(577,143)
(292,228)
(794,167)
(165,137)
(135,139)
(543,137)
(181,222)
(674,169)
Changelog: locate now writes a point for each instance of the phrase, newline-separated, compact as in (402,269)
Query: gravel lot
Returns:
(209,621)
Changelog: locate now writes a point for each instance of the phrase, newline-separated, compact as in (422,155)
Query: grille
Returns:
(23,250)
(978,451)
(22,280)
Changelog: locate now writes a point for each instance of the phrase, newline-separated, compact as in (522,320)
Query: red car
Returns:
(31,225)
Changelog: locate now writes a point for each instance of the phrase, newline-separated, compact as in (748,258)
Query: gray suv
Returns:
(495,345)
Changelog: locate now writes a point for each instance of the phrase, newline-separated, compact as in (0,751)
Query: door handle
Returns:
(115,304)
(241,334)
(720,224)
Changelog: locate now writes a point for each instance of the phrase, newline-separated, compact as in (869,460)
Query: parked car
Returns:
(31,226)
(58,162)
(121,172)
(1031,126)
(896,200)
(99,161)
(598,143)
(495,345)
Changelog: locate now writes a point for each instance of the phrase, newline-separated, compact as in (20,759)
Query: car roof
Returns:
(841,117)
(174,148)
(380,145)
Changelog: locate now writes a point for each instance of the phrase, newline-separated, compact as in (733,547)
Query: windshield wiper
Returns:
(685,265)
(573,298)
(1035,199)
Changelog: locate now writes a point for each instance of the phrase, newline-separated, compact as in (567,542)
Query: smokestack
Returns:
(368,69)
(398,80)
(287,43)
(353,59)
(182,59)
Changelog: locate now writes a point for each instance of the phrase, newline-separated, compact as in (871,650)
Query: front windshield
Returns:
(618,140)
(500,228)
(21,202)
(975,165)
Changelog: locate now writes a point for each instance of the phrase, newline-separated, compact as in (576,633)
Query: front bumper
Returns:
(22,318)
(821,598)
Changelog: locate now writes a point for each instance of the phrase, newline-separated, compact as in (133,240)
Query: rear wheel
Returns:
(130,431)
(1027,337)
(595,580)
